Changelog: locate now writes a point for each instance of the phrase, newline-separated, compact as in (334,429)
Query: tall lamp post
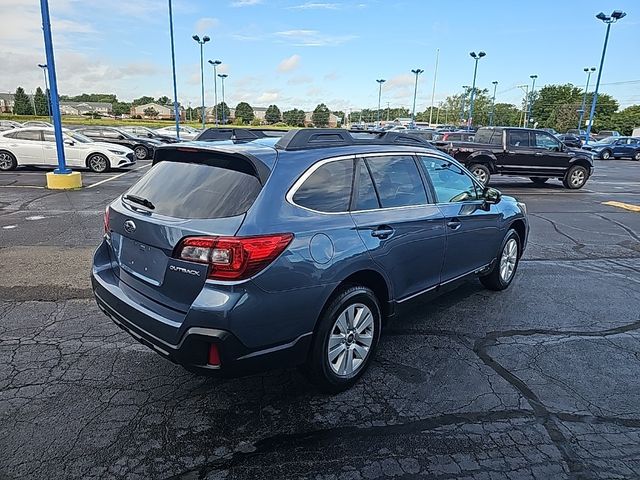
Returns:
(493,103)
(176,105)
(464,99)
(380,82)
(416,72)
(588,71)
(43,66)
(476,57)
(608,19)
(530,97)
(215,64)
(204,40)
(433,89)
(224,116)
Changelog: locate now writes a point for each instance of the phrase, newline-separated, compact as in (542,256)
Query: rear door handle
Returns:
(454,224)
(382,232)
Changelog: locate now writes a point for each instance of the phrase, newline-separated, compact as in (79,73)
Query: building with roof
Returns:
(165,112)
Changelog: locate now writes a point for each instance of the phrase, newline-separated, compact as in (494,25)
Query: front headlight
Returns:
(523,207)
(117,152)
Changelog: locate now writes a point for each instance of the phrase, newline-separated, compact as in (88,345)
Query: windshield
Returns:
(78,137)
(607,140)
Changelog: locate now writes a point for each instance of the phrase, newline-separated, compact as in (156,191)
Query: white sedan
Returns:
(37,146)
(186,132)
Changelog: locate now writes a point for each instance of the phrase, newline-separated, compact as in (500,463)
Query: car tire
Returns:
(334,370)
(506,263)
(98,163)
(539,180)
(141,152)
(605,154)
(636,156)
(481,172)
(7,161)
(576,177)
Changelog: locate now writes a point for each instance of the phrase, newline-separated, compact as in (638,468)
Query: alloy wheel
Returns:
(6,161)
(350,339)
(97,163)
(577,178)
(480,174)
(508,260)
(141,153)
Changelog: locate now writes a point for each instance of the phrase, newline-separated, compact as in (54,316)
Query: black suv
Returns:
(521,152)
(143,148)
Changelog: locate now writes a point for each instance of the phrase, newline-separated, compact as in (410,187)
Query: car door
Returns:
(621,148)
(519,155)
(472,226)
(401,229)
(72,153)
(27,147)
(549,155)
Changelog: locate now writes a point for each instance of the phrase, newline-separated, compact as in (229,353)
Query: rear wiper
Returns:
(142,201)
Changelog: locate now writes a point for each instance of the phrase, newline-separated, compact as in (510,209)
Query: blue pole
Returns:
(584,99)
(202,79)
(595,92)
(55,106)
(473,91)
(176,107)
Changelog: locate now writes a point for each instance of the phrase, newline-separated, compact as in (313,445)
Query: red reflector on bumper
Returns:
(214,355)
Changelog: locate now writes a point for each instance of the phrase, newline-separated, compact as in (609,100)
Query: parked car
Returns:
(142,147)
(552,131)
(521,152)
(36,146)
(186,132)
(216,134)
(146,132)
(576,131)
(616,147)
(425,134)
(602,134)
(9,124)
(570,140)
(459,136)
(233,258)
(37,123)
(583,139)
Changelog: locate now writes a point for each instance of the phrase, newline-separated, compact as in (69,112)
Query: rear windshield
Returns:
(193,190)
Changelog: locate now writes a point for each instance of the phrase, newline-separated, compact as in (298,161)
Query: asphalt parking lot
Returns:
(540,381)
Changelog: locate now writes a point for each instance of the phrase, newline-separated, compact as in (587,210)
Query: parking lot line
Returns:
(116,176)
(626,206)
(20,186)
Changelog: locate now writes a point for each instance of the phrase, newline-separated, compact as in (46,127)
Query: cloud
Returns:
(331,76)
(268,97)
(289,64)
(403,80)
(312,38)
(300,80)
(316,6)
(205,24)
(245,3)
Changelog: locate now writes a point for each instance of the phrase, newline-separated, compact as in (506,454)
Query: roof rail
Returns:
(308,138)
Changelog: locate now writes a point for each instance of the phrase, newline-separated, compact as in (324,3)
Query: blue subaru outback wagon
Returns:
(233,257)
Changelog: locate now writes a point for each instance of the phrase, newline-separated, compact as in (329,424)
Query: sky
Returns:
(298,53)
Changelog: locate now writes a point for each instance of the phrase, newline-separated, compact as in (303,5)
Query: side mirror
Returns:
(68,141)
(491,196)
(121,137)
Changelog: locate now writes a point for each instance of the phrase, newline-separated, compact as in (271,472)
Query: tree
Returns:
(21,103)
(272,115)
(244,113)
(294,117)
(506,115)
(121,108)
(164,100)
(223,111)
(626,120)
(142,101)
(320,116)
(40,100)
(150,112)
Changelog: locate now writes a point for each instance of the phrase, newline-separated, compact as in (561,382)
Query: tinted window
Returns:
(484,135)
(451,183)
(49,136)
(194,190)
(328,189)
(111,134)
(27,135)
(518,138)
(397,181)
(91,132)
(544,140)
(366,198)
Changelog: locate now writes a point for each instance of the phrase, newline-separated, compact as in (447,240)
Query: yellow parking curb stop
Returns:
(64,181)
(626,206)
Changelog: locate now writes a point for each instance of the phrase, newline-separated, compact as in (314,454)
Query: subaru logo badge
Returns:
(129,226)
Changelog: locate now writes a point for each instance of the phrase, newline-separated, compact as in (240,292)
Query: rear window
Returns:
(328,189)
(193,190)
(488,136)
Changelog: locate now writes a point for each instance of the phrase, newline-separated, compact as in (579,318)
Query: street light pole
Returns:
(433,90)
(476,57)
(215,86)
(530,96)
(493,103)
(416,72)
(204,40)
(43,66)
(224,116)
(380,82)
(176,106)
(588,71)
(608,19)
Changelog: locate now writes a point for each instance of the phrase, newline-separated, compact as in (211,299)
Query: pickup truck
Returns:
(521,152)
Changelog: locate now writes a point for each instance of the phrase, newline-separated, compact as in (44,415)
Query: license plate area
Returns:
(143,261)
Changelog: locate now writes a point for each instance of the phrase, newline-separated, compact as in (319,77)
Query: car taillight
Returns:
(233,258)
(106,220)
